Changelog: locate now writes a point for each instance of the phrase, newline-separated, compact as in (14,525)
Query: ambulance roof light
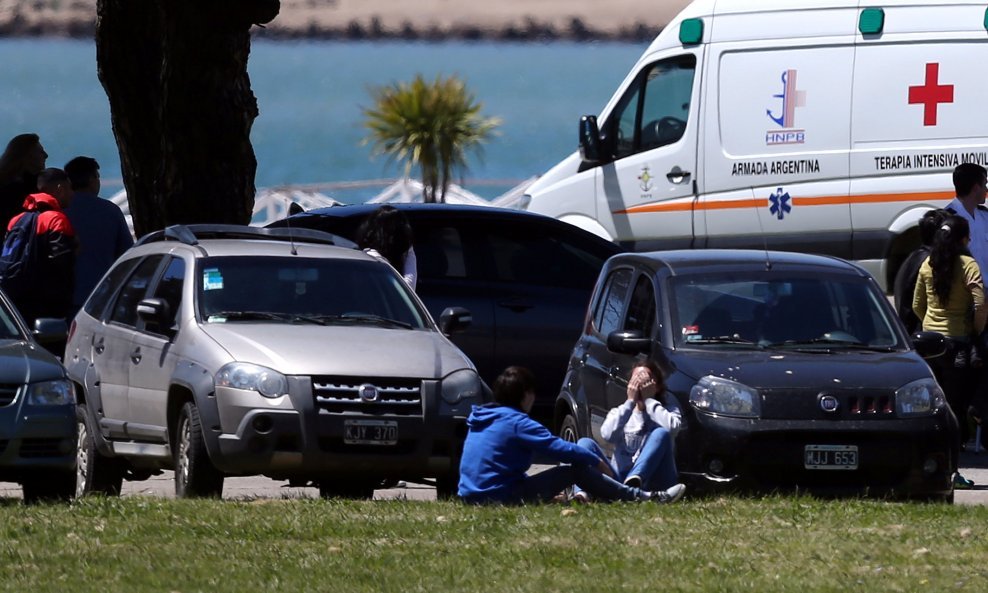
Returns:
(871,21)
(691,31)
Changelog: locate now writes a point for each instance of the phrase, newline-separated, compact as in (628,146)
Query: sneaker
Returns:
(962,483)
(580,498)
(665,496)
(633,481)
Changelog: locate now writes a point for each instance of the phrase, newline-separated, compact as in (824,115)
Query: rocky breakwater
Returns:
(528,20)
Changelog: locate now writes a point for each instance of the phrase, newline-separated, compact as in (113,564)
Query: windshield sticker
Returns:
(212,279)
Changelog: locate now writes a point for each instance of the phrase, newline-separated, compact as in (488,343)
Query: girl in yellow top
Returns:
(950,299)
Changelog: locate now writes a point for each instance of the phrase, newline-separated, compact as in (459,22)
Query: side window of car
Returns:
(529,254)
(169,287)
(641,309)
(610,307)
(125,307)
(439,253)
(655,109)
(101,296)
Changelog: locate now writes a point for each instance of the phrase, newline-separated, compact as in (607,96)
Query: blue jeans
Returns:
(544,486)
(656,463)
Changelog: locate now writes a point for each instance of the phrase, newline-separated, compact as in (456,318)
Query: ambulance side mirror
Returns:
(589,139)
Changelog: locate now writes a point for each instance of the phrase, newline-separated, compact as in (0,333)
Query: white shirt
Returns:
(979,232)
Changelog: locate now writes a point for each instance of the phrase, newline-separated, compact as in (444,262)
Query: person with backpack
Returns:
(37,263)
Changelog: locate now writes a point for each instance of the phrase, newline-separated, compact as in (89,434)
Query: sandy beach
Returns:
(504,19)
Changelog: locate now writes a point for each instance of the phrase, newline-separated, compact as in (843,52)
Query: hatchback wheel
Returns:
(94,473)
(568,430)
(195,475)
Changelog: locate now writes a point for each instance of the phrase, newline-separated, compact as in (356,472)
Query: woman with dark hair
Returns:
(642,430)
(387,235)
(950,299)
(20,165)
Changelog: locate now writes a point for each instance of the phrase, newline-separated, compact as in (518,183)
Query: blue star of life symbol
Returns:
(780,203)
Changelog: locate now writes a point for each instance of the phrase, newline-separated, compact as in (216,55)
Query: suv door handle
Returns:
(98,345)
(678,176)
(136,355)
(516,305)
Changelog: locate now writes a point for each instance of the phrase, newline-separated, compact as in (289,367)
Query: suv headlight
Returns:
(723,396)
(252,377)
(919,398)
(460,385)
(60,392)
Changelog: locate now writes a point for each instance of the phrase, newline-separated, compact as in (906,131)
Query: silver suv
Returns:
(220,350)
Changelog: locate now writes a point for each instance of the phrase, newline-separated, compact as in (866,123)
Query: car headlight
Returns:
(460,385)
(723,396)
(251,377)
(51,393)
(919,398)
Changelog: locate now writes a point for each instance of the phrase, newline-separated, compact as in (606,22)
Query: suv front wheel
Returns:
(195,476)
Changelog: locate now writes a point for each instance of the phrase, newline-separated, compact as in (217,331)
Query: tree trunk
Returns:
(175,73)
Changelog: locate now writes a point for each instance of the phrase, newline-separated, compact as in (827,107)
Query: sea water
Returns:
(311,96)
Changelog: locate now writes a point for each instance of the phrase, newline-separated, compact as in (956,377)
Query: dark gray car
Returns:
(37,410)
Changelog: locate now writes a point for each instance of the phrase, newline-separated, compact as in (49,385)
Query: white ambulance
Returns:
(824,126)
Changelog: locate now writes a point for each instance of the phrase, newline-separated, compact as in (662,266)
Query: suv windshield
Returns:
(303,290)
(773,310)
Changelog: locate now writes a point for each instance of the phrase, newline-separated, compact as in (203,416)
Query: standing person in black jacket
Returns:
(20,165)
(905,279)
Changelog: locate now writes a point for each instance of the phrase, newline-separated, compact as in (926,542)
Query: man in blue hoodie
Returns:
(502,440)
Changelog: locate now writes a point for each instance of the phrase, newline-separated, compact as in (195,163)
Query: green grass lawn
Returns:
(716,544)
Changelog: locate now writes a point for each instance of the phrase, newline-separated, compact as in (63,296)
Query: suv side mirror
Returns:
(47,330)
(155,313)
(589,140)
(628,342)
(929,344)
(454,320)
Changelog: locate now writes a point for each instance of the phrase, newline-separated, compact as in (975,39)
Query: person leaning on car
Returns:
(502,440)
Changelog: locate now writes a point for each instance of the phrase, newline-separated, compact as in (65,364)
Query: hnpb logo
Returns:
(791,98)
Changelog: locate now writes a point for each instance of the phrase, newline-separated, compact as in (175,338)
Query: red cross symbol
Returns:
(931,94)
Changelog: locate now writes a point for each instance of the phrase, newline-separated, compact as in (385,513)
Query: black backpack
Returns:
(19,258)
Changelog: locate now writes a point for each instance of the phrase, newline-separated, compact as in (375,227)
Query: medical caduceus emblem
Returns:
(779,203)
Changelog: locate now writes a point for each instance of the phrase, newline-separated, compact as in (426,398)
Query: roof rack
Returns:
(191,234)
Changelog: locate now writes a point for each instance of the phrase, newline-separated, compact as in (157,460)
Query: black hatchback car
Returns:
(792,371)
(525,278)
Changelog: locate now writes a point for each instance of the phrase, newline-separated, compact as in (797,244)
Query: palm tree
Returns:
(428,125)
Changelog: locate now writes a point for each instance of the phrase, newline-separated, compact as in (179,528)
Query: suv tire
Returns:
(195,475)
(95,473)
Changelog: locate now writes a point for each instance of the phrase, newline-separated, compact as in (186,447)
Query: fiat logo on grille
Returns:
(829,404)
(368,392)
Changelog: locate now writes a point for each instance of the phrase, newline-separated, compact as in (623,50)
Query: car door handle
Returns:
(136,356)
(517,305)
(99,346)
(677,175)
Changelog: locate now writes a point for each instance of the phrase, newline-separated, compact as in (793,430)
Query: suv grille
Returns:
(342,395)
(8,393)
